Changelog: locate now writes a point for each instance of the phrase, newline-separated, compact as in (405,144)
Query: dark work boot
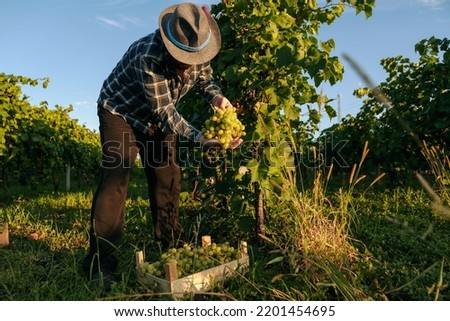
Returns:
(101,274)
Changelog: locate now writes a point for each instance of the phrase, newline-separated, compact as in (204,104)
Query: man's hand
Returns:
(235,143)
(214,143)
(221,102)
(209,143)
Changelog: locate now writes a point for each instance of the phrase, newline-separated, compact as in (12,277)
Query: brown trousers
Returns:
(120,146)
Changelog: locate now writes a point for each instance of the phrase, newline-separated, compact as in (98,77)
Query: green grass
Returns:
(408,243)
(402,245)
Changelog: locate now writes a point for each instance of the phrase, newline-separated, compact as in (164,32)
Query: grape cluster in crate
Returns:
(190,260)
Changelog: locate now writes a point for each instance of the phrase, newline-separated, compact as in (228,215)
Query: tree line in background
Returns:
(38,144)
(417,113)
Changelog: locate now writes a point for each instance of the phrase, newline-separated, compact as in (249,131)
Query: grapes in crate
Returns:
(191,260)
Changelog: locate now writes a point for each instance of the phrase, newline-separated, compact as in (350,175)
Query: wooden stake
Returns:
(4,235)
(206,240)
(171,272)
(244,250)
(139,258)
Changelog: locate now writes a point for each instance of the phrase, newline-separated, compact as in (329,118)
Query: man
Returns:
(137,114)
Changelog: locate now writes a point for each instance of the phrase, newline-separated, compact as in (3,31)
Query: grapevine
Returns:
(224,126)
(191,260)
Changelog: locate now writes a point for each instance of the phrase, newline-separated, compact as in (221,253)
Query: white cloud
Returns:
(431,3)
(83,103)
(121,22)
(120,4)
(112,3)
(110,22)
(390,5)
(133,21)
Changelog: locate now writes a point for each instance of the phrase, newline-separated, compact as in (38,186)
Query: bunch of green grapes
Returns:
(223,126)
(155,269)
(191,260)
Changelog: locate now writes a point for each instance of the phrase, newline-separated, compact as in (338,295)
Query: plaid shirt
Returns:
(144,88)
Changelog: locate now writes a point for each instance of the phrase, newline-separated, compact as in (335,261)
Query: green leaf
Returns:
(275,260)
(284,56)
(272,95)
(275,170)
(284,20)
(45,83)
(442,123)
(292,112)
(330,111)
(246,224)
(314,116)
(253,166)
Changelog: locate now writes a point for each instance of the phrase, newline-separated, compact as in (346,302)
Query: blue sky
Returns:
(77,43)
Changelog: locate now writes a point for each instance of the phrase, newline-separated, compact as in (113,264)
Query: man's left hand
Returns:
(221,102)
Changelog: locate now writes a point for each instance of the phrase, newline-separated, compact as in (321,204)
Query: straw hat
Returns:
(190,35)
